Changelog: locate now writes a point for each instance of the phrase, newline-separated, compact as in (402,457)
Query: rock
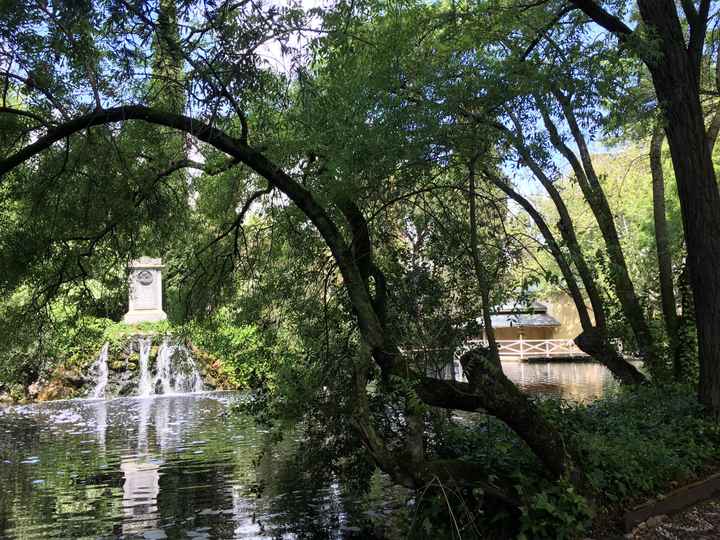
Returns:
(69,377)
(55,390)
(127,389)
(34,389)
(117,365)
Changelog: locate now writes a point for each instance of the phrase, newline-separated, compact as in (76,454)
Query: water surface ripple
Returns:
(186,466)
(182,466)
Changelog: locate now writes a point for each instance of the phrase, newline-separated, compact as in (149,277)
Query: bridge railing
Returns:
(509,349)
(529,348)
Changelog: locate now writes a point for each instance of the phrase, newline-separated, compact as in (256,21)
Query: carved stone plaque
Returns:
(145,277)
(145,291)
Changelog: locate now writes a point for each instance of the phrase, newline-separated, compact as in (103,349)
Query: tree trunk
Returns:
(595,197)
(687,355)
(667,290)
(490,390)
(566,228)
(676,75)
(593,341)
(480,277)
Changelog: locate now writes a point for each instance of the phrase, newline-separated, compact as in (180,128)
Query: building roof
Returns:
(508,320)
(514,315)
(517,307)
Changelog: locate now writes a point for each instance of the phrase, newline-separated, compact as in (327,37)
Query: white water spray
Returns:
(177,371)
(100,367)
(145,385)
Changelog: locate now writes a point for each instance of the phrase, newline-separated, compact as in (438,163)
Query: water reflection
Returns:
(141,486)
(164,467)
(186,466)
(574,381)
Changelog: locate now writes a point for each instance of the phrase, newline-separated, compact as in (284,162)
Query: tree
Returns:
(675,63)
(228,94)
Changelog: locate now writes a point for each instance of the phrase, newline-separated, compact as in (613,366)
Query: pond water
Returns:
(182,466)
(185,466)
(573,381)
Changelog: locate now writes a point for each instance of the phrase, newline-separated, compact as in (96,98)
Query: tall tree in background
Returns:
(674,59)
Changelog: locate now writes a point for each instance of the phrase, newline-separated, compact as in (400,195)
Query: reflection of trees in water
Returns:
(63,484)
(185,463)
(299,498)
(573,381)
(121,468)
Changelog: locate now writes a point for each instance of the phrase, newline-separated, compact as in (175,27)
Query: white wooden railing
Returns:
(527,348)
(509,349)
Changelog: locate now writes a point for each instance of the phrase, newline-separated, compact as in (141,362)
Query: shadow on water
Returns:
(189,466)
(182,466)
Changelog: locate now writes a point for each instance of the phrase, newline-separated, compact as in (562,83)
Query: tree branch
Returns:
(368,321)
(690,11)
(604,18)
(28,114)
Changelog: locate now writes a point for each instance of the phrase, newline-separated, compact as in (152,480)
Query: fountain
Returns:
(100,367)
(175,371)
(145,386)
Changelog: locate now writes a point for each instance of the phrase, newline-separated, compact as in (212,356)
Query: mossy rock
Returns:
(117,365)
(116,351)
(17,392)
(115,356)
(69,377)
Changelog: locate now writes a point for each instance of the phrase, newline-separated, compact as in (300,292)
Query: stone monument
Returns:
(145,294)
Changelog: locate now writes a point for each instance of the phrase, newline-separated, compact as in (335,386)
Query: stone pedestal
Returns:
(145,291)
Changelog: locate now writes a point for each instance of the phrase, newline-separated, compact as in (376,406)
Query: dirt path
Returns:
(699,522)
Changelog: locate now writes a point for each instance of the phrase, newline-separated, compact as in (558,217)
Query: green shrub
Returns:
(632,445)
(242,353)
(557,512)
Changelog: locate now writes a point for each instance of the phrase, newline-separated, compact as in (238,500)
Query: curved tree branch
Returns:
(368,321)
(604,18)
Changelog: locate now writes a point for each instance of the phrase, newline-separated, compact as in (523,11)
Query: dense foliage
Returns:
(343,194)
